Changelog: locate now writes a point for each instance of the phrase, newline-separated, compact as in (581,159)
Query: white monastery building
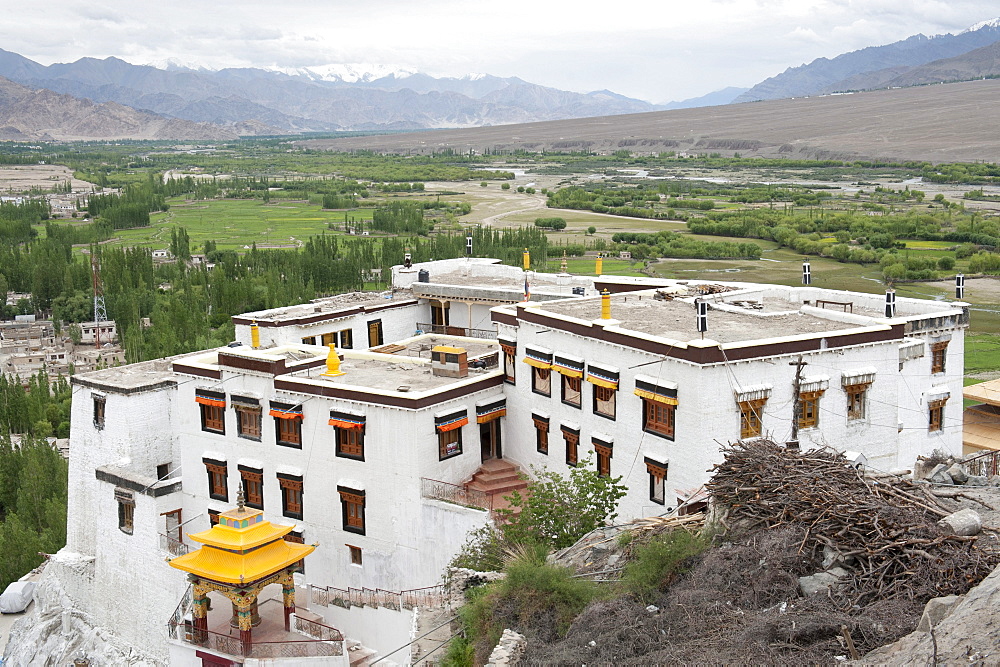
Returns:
(387,454)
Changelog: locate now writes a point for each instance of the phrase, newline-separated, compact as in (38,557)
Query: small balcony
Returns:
(308,637)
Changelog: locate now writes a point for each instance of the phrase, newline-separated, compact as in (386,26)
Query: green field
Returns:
(235,223)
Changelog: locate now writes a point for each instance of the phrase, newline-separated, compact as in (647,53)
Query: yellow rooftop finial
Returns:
(605,304)
(526,259)
(254,335)
(599,266)
(332,363)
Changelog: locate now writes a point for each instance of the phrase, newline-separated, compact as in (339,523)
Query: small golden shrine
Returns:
(241,555)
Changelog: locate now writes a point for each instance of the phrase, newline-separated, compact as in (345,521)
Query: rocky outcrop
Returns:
(950,633)
(57,628)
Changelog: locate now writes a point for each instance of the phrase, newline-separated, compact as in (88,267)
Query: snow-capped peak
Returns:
(173,64)
(474,76)
(991,23)
(347,72)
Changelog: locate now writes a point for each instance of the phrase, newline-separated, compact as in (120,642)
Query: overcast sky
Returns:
(656,50)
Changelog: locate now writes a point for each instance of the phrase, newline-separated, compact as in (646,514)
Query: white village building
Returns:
(388,455)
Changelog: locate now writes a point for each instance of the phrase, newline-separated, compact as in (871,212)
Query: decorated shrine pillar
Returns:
(288,596)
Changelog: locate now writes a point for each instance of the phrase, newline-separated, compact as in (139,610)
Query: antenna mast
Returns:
(100,312)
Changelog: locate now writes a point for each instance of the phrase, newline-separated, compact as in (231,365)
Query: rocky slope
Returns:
(308,100)
(43,115)
(824,74)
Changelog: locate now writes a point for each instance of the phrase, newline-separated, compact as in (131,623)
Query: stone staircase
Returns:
(497,478)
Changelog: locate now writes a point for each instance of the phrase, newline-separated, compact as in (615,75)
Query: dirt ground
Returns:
(22,178)
(945,123)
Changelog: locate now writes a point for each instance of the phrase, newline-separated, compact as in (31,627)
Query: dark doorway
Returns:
(489,439)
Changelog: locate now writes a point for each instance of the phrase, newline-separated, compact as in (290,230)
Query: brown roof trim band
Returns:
(504,318)
(711,355)
(192,370)
(384,399)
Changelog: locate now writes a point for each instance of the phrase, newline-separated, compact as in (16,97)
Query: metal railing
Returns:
(986,464)
(448,330)
(324,640)
(453,493)
(231,644)
(173,546)
(425,598)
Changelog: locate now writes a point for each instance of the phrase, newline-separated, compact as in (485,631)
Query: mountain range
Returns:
(111,98)
(847,71)
(292,101)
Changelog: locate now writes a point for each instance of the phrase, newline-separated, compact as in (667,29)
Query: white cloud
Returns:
(650,49)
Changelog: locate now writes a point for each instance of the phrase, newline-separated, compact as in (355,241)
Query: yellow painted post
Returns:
(254,335)
(332,363)
(605,304)
(599,266)
(526,259)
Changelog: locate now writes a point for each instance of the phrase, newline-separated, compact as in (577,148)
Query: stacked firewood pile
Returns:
(883,529)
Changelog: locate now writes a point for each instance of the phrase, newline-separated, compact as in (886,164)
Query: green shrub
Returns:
(656,563)
(946,263)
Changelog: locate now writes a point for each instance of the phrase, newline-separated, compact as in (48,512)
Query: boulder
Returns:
(977,480)
(821,581)
(939,475)
(963,522)
(958,474)
(995,480)
(936,610)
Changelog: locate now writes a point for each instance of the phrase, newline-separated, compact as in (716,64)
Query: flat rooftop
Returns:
(330,304)
(737,314)
(145,375)
(407,367)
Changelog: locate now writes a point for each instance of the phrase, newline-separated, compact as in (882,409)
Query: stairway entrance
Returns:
(497,478)
(489,440)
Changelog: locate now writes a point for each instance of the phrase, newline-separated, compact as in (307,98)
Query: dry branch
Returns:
(888,526)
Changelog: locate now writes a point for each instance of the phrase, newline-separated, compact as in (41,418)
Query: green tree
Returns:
(591,230)
(560,510)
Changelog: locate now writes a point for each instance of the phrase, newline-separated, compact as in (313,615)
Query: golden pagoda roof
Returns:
(241,529)
(231,568)
(241,548)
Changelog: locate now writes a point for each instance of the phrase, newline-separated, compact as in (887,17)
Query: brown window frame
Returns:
(100,410)
(126,514)
(541,436)
(751,423)
(611,396)
(329,339)
(809,409)
(350,443)
(568,382)
(538,377)
(346,339)
(213,418)
(352,507)
(252,480)
(857,400)
(249,420)
(288,432)
(604,454)
(657,481)
(213,517)
(309,340)
(572,441)
(375,327)
(509,367)
(450,437)
(652,411)
(939,352)
(291,496)
(218,480)
(357,558)
(935,413)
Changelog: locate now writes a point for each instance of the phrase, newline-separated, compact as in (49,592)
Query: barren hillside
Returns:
(939,123)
